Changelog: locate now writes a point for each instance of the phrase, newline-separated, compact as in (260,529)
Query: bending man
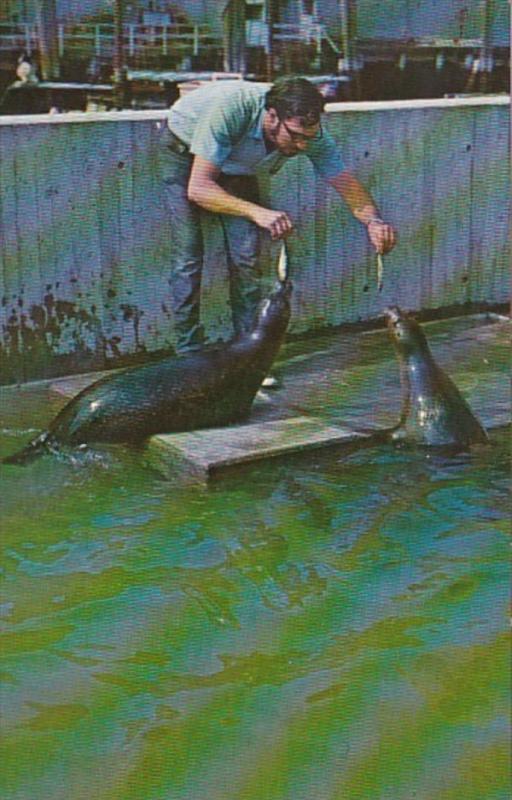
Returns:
(217,137)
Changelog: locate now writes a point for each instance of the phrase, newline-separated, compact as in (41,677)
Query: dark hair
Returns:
(295,97)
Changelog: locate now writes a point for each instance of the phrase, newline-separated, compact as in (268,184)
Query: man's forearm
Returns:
(212,197)
(381,234)
(356,196)
(204,190)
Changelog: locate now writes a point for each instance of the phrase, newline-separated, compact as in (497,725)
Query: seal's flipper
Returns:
(30,452)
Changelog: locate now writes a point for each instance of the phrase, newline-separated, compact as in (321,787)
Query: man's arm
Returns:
(360,202)
(204,190)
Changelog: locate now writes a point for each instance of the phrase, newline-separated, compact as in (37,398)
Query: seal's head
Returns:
(406,332)
(274,313)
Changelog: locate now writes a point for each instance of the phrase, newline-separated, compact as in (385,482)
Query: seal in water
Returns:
(212,387)
(434,413)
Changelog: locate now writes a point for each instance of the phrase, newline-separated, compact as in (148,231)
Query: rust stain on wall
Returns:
(59,336)
(133,314)
(47,338)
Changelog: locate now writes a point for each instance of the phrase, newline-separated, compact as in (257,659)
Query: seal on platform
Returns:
(213,387)
(434,413)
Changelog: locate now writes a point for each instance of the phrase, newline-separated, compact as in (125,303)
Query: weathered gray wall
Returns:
(439,171)
(84,246)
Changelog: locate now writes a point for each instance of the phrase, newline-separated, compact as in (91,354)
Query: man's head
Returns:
(293,108)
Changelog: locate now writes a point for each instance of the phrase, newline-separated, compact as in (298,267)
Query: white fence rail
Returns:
(98,40)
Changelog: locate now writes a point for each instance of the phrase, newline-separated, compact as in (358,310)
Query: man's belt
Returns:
(175,144)
(243,186)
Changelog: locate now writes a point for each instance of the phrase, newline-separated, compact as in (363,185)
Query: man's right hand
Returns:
(204,190)
(277,223)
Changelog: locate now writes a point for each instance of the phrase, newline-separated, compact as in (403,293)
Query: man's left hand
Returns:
(381,235)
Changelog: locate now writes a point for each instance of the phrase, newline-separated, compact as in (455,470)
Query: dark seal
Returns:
(215,386)
(434,413)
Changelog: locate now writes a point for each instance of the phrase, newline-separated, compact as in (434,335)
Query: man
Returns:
(217,137)
(25,71)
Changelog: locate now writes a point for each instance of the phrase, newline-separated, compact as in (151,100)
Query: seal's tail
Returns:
(33,450)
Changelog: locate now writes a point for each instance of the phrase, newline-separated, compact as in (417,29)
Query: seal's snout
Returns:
(275,310)
(282,290)
(393,314)
(285,287)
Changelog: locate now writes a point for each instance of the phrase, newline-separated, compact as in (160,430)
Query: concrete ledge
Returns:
(130,115)
(415,105)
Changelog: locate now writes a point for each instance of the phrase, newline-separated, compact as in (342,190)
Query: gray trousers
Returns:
(241,238)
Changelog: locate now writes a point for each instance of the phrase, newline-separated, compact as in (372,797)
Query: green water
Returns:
(324,628)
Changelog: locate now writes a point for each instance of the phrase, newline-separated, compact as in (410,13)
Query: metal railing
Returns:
(98,39)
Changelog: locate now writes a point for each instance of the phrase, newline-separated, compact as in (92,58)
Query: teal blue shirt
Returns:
(222,123)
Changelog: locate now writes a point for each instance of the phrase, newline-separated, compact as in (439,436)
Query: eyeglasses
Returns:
(301,138)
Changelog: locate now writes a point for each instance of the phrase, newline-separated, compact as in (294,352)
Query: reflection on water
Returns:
(330,630)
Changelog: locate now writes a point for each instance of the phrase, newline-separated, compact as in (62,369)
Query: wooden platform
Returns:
(208,452)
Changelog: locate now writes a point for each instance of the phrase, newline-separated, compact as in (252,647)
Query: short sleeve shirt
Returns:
(222,123)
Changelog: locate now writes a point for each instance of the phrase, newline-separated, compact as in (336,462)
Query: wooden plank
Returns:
(86,293)
(31,245)
(9,223)
(349,250)
(44,144)
(108,210)
(129,309)
(74,226)
(148,286)
(451,158)
(27,202)
(380,160)
(216,449)
(292,189)
(42,156)
(65,194)
(406,202)
(489,275)
(319,273)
